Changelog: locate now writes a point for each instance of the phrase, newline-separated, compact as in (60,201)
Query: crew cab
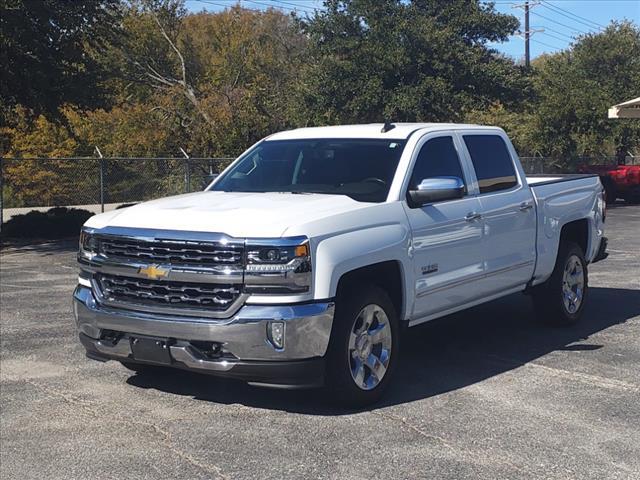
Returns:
(306,260)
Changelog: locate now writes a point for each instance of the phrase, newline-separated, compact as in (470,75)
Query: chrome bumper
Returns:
(243,336)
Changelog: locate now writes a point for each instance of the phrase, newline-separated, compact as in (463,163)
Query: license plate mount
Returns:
(151,349)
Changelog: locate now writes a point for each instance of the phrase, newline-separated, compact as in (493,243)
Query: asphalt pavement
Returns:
(485,394)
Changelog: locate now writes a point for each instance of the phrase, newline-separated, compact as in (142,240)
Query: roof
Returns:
(401,131)
(629,109)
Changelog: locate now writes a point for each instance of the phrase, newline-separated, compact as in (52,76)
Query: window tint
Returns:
(362,169)
(492,162)
(437,158)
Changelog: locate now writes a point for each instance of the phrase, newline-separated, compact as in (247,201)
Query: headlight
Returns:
(278,266)
(88,244)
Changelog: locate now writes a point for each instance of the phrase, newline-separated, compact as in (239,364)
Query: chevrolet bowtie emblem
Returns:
(154,272)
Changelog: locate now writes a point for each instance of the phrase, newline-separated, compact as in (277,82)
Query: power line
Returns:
(230,5)
(225,5)
(558,32)
(254,2)
(307,9)
(270,5)
(552,36)
(559,10)
(547,45)
(573,29)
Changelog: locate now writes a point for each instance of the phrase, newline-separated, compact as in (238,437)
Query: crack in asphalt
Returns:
(594,380)
(473,455)
(89,409)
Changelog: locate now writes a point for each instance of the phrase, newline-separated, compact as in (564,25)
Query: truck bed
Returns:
(537,180)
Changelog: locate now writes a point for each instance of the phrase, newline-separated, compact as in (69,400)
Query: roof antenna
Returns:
(387,126)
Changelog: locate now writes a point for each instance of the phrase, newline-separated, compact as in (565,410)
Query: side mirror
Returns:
(436,189)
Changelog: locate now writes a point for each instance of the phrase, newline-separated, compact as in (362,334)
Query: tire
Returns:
(140,368)
(353,348)
(561,303)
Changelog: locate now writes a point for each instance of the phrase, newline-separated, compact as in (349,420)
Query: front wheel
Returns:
(364,346)
(560,300)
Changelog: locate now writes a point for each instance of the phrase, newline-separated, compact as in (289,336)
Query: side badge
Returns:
(432,268)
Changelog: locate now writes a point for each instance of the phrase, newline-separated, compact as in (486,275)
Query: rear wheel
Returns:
(560,300)
(364,346)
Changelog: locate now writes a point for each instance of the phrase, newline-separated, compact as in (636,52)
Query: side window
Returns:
(492,162)
(437,158)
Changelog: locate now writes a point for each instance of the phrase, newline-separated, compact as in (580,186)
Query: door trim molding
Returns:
(479,276)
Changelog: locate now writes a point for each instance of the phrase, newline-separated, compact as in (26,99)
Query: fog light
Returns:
(275,332)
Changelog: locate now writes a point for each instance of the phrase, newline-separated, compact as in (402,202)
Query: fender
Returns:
(349,251)
(557,210)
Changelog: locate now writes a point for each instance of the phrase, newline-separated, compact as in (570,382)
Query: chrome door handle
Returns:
(471,216)
(524,206)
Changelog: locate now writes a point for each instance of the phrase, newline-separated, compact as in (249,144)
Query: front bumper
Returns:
(245,350)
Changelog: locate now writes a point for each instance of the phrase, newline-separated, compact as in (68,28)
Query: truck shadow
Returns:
(438,357)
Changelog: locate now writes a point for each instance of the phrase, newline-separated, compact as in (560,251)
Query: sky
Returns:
(559,21)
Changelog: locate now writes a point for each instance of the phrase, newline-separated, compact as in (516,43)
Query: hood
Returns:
(234,213)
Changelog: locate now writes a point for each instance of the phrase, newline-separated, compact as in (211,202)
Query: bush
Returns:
(58,222)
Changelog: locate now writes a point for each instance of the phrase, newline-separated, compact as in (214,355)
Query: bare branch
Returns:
(173,46)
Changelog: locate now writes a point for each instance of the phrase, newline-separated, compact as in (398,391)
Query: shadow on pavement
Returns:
(439,356)
(45,247)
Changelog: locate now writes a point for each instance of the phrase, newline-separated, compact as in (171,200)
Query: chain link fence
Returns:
(99,184)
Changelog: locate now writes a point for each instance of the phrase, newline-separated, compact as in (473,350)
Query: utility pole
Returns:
(527,35)
(527,30)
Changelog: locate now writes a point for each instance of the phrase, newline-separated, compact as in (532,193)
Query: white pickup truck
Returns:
(303,262)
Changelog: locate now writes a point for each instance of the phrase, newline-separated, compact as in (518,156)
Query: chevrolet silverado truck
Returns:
(306,260)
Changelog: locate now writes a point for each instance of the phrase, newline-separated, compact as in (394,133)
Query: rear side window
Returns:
(437,158)
(492,162)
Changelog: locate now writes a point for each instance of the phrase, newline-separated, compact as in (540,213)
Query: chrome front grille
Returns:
(160,293)
(172,252)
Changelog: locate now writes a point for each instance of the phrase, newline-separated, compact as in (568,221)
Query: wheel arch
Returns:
(576,231)
(386,275)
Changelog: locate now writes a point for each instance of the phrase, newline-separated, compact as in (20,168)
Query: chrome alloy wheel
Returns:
(573,284)
(370,344)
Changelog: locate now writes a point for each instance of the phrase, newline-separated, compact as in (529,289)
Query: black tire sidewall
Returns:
(339,382)
(549,299)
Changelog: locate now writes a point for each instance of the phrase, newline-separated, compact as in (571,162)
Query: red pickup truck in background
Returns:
(619,181)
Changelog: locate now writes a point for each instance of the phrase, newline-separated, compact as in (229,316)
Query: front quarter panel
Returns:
(340,254)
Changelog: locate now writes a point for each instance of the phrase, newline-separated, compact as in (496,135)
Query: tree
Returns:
(407,60)
(219,81)
(48,50)
(574,89)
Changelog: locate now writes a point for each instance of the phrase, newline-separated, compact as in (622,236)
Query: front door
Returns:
(446,235)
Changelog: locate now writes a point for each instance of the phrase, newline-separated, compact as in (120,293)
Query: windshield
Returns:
(360,168)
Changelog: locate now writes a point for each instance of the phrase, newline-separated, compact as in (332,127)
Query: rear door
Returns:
(446,235)
(508,211)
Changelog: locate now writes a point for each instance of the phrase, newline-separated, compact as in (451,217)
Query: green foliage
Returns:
(575,88)
(407,61)
(146,78)
(49,47)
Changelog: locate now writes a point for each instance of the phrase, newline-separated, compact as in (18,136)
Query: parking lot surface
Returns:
(487,393)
